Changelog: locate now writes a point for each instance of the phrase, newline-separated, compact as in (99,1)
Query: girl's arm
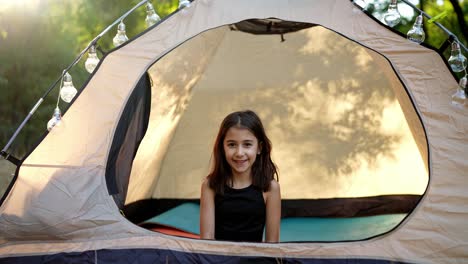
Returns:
(207,211)
(273,212)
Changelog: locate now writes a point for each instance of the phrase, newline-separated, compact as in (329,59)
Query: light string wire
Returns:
(60,89)
(93,42)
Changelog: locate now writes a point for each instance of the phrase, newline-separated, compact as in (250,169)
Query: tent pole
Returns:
(26,119)
(7,146)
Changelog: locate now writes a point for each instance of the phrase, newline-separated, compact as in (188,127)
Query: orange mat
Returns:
(170,231)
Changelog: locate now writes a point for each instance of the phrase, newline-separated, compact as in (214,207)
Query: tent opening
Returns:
(350,148)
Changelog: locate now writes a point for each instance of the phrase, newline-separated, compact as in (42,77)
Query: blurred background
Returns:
(40,38)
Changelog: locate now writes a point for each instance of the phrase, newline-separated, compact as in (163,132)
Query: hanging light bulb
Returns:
(92,61)
(457,61)
(416,33)
(68,91)
(151,16)
(392,17)
(184,3)
(459,97)
(378,6)
(120,37)
(55,120)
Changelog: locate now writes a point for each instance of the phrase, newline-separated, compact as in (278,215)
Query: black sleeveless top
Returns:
(240,215)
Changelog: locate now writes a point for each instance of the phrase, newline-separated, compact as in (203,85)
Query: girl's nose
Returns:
(239,151)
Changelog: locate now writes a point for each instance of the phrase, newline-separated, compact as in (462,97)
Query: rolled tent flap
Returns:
(128,135)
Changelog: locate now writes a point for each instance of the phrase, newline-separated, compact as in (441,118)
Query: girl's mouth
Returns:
(240,162)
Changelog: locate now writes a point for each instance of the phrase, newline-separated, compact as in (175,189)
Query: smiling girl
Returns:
(240,198)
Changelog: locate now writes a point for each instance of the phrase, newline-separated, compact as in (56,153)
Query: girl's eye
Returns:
(248,144)
(231,145)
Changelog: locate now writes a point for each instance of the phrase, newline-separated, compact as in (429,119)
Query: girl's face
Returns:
(240,148)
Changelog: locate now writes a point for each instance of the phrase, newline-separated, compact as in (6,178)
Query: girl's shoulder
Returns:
(274,187)
(206,184)
(273,193)
(206,190)
(206,181)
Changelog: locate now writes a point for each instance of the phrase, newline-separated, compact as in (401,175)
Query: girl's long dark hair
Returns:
(263,169)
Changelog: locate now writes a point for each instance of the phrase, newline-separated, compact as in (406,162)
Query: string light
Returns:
(92,61)
(459,97)
(68,91)
(378,5)
(55,120)
(457,61)
(416,33)
(120,37)
(184,3)
(151,15)
(392,17)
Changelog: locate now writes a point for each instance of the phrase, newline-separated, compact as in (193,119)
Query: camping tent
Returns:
(353,109)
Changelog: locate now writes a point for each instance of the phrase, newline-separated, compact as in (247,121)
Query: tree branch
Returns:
(461,19)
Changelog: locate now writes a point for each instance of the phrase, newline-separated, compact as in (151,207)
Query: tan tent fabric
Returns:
(60,203)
